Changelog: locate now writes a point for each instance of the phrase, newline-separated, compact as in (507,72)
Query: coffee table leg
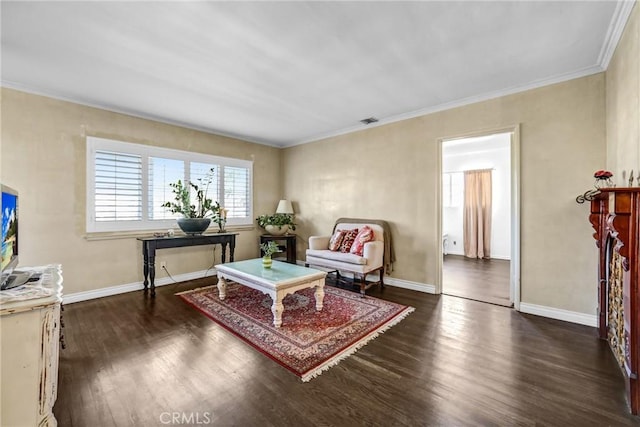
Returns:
(222,287)
(277,308)
(319,296)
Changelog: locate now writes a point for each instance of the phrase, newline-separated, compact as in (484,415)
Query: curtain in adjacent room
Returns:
(477,213)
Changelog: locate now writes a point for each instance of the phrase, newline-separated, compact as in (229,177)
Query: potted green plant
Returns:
(196,217)
(277,224)
(220,217)
(268,249)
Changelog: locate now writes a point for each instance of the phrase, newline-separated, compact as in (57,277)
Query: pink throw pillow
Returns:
(336,239)
(347,240)
(364,235)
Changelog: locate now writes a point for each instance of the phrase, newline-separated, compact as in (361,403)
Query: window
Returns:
(452,189)
(128,183)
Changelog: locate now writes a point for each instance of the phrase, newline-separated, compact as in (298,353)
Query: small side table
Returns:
(286,243)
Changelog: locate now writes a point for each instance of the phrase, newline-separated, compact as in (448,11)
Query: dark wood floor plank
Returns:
(484,280)
(129,359)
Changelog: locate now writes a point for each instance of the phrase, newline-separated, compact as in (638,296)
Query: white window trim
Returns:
(146,151)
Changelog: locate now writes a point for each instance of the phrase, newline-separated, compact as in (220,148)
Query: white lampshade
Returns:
(284,207)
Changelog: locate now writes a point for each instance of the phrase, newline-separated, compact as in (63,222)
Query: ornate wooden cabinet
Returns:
(615,215)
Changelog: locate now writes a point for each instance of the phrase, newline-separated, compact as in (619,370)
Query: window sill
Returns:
(113,235)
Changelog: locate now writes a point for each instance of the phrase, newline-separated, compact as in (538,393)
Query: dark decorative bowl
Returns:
(193,226)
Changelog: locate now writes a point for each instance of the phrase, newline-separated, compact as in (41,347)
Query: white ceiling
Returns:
(285,73)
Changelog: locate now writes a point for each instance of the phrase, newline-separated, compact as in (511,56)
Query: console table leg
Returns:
(223,256)
(145,268)
(152,274)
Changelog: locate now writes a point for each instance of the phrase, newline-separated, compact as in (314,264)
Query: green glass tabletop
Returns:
(279,271)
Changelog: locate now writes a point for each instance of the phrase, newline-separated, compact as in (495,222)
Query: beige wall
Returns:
(387,172)
(43,157)
(390,172)
(623,103)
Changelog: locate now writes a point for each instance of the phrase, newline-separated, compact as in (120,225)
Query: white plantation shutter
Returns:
(162,172)
(237,192)
(127,184)
(118,187)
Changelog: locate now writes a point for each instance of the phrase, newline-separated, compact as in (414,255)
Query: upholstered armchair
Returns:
(371,259)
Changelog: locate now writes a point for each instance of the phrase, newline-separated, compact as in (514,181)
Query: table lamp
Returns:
(284,207)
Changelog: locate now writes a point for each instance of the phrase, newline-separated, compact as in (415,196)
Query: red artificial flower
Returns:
(602,174)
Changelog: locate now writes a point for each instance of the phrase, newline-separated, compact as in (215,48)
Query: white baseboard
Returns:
(162,281)
(406,284)
(136,286)
(538,310)
(560,314)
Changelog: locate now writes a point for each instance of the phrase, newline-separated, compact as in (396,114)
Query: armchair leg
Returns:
(363,281)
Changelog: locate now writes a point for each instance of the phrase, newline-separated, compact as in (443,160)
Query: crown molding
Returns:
(383,121)
(616,27)
(559,78)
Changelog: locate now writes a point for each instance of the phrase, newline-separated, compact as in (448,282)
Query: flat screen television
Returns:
(10,278)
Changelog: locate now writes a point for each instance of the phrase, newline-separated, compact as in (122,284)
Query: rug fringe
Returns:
(356,346)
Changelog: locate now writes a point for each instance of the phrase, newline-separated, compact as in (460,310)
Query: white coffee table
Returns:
(278,281)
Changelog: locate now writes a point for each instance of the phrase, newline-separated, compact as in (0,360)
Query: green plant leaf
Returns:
(277,220)
(182,197)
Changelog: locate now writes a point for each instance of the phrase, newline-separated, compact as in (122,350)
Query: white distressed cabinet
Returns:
(30,333)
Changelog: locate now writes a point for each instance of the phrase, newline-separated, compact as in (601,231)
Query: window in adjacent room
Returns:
(452,189)
(128,183)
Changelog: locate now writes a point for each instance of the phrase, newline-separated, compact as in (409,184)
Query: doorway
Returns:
(477,212)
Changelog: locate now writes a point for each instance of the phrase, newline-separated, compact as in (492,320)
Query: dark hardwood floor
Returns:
(484,280)
(134,361)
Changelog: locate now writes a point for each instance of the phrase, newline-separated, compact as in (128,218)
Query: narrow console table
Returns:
(150,244)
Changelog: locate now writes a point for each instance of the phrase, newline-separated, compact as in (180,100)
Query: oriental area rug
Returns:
(308,342)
